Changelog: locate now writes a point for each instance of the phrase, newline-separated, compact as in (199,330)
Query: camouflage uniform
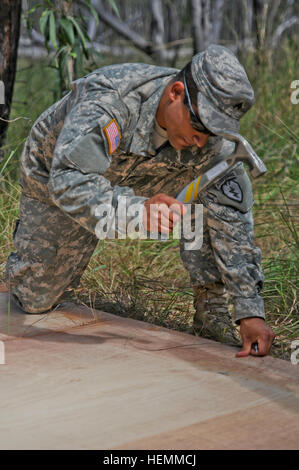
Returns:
(68,169)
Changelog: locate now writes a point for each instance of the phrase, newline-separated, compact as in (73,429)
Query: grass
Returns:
(145,279)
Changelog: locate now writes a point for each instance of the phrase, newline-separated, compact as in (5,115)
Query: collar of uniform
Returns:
(141,142)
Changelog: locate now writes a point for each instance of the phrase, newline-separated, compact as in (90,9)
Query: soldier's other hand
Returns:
(255,330)
(161,213)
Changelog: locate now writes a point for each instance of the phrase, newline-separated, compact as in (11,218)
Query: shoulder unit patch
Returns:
(113,135)
(232,190)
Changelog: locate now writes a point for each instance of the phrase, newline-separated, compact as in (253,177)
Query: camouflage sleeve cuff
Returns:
(247,307)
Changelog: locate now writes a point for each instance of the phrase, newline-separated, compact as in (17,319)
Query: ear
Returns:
(176,91)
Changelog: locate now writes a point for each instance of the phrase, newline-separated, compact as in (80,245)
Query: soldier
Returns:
(142,132)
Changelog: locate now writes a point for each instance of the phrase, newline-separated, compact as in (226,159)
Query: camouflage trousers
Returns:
(52,253)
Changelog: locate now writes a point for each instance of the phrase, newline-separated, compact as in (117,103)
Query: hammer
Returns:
(243,153)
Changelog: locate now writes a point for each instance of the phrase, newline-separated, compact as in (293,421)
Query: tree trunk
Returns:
(257,16)
(173,33)
(157,31)
(217,13)
(10,14)
(247,7)
(206,17)
(206,23)
(196,14)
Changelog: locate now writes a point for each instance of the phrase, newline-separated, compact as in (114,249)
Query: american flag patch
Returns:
(113,135)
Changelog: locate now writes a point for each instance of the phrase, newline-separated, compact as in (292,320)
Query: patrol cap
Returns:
(224,91)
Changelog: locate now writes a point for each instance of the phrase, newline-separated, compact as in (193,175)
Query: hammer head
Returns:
(245,153)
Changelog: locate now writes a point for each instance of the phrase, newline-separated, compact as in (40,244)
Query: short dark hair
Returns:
(192,88)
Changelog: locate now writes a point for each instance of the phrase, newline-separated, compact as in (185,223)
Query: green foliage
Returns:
(67,34)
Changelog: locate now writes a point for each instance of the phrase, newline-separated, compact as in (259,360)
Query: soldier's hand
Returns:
(161,213)
(255,330)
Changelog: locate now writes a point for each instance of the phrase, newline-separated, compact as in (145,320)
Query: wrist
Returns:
(248,319)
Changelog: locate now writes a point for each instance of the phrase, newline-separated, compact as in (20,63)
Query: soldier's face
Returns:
(180,132)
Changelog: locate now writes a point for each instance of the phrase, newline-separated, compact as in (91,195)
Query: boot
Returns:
(212,318)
